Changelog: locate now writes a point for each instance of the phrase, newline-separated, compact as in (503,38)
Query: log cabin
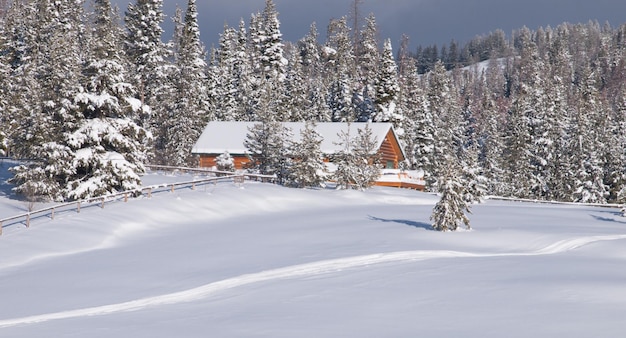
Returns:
(220,136)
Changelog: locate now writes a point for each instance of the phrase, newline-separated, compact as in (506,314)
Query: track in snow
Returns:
(302,270)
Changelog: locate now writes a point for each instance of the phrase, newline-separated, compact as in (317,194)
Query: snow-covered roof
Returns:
(220,136)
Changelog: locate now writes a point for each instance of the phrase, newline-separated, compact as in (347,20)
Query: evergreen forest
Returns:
(89,94)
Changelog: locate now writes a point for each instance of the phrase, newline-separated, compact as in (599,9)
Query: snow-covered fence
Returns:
(125,195)
(238,174)
(101,201)
(527,200)
(216,176)
(53,210)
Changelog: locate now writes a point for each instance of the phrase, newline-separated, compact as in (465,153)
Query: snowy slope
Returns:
(267,261)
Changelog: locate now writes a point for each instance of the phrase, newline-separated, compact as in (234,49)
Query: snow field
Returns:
(266,261)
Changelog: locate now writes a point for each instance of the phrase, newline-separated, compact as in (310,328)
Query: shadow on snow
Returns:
(420,225)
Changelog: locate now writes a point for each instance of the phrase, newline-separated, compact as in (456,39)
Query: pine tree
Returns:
(589,175)
(316,89)
(224,80)
(109,146)
(416,131)
(244,82)
(357,162)
(366,69)
(22,91)
(557,93)
(387,88)
(522,128)
(308,164)
(344,160)
(268,144)
(310,53)
(5,71)
(225,162)
(190,111)
(617,181)
(442,105)
(368,53)
(270,43)
(492,132)
(150,68)
(340,62)
(468,149)
(449,213)
(368,161)
(56,59)
(296,103)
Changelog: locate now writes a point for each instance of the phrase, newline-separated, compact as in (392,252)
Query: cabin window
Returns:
(390,165)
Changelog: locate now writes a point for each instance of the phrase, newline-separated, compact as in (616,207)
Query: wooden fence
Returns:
(125,195)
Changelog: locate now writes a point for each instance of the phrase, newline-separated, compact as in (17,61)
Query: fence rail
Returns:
(50,212)
(527,200)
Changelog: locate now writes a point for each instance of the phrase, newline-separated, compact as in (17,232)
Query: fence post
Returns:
(52,214)
(28,220)
(78,207)
(193,186)
(149,192)
(0,228)
(172,188)
(125,197)
(102,205)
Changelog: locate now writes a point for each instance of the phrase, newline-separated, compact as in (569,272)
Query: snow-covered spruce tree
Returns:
(268,144)
(443,107)
(417,131)
(467,152)
(151,69)
(449,213)
(543,122)
(615,156)
(344,160)
(517,166)
(224,80)
(357,162)
(316,87)
(270,44)
(387,88)
(365,68)
(244,82)
(559,176)
(5,71)
(109,156)
(308,160)
(296,103)
(21,90)
(589,175)
(530,138)
(491,127)
(108,146)
(340,65)
(368,159)
(310,53)
(55,60)
(225,162)
(340,100)
(190,110)
(367,53)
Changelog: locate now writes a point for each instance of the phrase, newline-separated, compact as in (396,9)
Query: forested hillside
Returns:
(90,96)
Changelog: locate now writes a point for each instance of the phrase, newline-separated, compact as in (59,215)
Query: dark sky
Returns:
(426,22)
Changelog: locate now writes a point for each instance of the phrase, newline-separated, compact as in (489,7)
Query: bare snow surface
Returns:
(266,261)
